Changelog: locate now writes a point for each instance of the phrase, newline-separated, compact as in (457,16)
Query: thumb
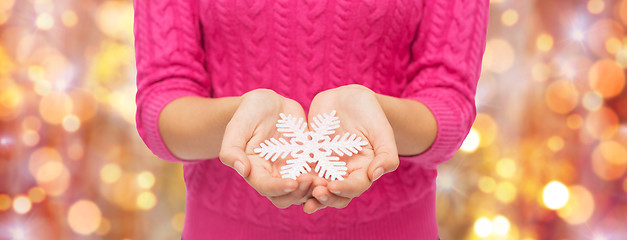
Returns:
(232,150)
(236,158)
(384,162)
(385,154)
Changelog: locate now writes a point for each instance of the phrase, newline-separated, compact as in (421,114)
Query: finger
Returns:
(233,145)
(353,186)
(385,154)
(383,162)
(279,203)
(237,159)
(298,196)
(268,185)
(327,198)
(318,181)
(312,205)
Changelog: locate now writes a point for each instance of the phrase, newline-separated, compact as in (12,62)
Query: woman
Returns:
(213,77)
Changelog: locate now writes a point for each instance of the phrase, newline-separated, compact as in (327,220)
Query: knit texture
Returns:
(426,50)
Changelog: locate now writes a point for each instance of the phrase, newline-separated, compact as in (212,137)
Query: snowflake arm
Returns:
(348,144)
(294,168)
(271,149)
(331,168)
(291,126)
(325,124)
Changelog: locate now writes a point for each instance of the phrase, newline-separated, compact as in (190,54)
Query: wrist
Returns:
(192,127)
(355,89)
(414,124)
(263,100)
(346,96)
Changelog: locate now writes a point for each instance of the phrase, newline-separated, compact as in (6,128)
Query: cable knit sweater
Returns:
(426,50)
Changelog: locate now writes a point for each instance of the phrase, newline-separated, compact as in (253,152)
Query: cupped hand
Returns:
(254,121)
(359,113)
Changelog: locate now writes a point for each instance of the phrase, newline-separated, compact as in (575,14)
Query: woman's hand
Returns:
(360,113)
(254,121)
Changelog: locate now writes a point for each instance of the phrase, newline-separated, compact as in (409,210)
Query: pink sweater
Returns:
(426,50)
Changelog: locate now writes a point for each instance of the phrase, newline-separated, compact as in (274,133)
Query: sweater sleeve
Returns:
(444,71)
(170,63)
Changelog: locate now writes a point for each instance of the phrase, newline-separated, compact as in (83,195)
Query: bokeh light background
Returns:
(545,159)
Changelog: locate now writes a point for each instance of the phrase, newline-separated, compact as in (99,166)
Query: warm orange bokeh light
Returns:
(10,101)
(580,206)
(509,17)
(84,104)
(609,160)
(37,194)
(506,167)
(562,96)
(574,121)
(110,173)
(499,56)
(555,143)
(600,31)
(487,128)
(613,45)
(146,200)
(30,138)
(555,195)
(44,21)
(601,124)
(49,171)
(84,217)
(69,18)
(544,42)
(607,78)
(21,204)
(622,11)
(596,6)
(54,107)
(540,72)
(104,228)
(487,184)
(71,123)
(5,202)
(40,157)
(31,123)
(177,221)
(145,179)
(505,192)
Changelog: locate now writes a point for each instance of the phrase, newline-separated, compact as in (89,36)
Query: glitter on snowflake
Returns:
(311,146)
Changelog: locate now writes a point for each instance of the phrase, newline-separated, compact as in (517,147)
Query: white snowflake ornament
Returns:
(311,146)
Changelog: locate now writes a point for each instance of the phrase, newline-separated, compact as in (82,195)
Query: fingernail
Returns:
(288,190)
(239,167)
(324,198)
(335,192)
(377,173)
